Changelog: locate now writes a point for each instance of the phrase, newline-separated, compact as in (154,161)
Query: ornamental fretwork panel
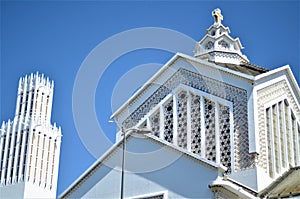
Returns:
(181,114)
(201,122)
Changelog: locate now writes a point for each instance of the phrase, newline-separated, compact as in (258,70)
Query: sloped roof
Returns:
(238,189)
(286,185)
(246,68)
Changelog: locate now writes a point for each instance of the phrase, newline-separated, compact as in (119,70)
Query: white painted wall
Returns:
(184,177)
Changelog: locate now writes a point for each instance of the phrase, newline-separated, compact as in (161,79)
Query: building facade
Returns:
(30,144)
(231,127)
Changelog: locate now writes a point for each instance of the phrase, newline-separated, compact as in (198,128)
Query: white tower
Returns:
(218,46)
(29,144)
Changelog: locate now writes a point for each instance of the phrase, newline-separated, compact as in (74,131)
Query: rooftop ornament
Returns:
(217,15)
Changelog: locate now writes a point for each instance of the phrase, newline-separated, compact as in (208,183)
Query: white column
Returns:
(19,97)
(44,106)
(11,155)
(296,144)
(49,106)
(286,160)
(202,116)
(31,155)
(56,163)
(44,162)
(2,147)
(45,158)
(272,142)
(6,151)
(278,138)
(38,157)
(23,153)
(291,141)
(148,124)
(161,122)
(53,158)
(35,99)
(51,149)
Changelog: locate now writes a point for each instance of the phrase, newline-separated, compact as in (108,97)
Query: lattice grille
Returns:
(195,124)
(210,142)
(190,125)
(224,122)
(182,119)
(155,122)
(237,96)
(168,121)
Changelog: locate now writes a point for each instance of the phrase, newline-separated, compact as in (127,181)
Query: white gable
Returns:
(180,176)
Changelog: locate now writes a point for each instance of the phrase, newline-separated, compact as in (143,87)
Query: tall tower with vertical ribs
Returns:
(30,144)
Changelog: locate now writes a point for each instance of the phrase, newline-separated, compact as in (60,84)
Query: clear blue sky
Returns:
(55,37)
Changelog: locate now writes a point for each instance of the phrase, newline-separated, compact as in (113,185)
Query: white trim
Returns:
(203,138)
(256,146)
(217,67)
(297,152)
(275,101)
(278,70)
(139,91)
(278,137)
(161,121)
(272,142)
(274,81)
(236,189)
(168,64)
(218,167)
(187,88)
(269,83)
(148,195)
(155,108)
(267,141)
(284,135)
(298,144)
(291,136)
(206,95)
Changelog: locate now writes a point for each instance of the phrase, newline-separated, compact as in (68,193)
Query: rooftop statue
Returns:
(217,15)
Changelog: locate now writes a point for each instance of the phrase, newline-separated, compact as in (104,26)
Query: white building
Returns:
(29,144)
(221,128)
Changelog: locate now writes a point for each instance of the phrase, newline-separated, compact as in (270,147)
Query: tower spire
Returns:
(35,173)
(218,46)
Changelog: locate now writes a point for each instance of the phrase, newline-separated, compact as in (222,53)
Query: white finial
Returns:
(217,15)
